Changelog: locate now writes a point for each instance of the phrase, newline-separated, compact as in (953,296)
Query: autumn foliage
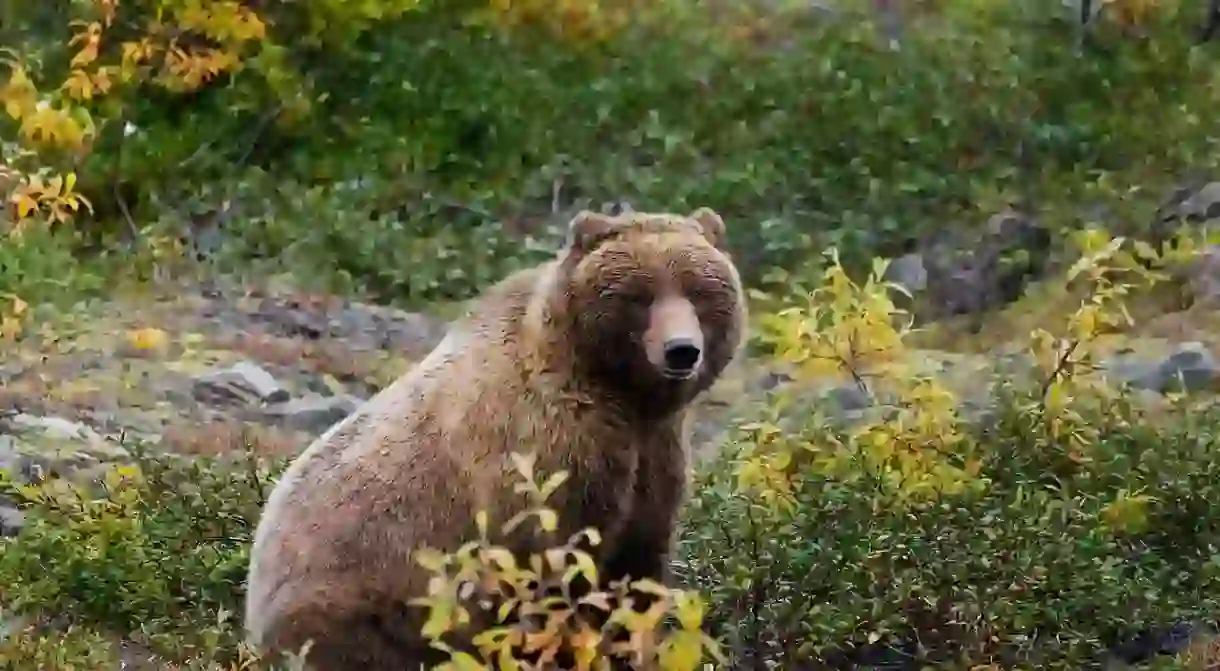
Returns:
(534,612)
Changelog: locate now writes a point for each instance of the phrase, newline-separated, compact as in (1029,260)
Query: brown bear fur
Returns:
(565,360)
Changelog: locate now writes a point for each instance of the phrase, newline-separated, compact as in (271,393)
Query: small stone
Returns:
(11,521)
(10,626)
(1190,367)
(1204,204)
(53,428)
(849,398)
(243,383)
(970,274)
(50,435)
(314,413)
(1203,277)
(774,379)
(908,271)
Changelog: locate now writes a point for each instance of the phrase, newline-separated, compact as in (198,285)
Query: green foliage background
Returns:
(812,135)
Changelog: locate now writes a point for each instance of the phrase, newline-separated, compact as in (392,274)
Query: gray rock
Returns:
(388,328)
(34,449)
(25,433)
(10,459)
(1190,367)
(52,428)
(1192,203)
(1131,369)
(359,325)
(972,272)
(11,624)
(1202,277)
(11,520)
(244,383)
(314,413)
(848,398)
(908,271)
(1201,205)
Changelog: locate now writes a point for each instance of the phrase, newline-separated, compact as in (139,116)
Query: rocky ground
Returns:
(200,369)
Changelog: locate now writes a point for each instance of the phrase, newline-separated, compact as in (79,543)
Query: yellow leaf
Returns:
(689,610)
(681,651)
(586,642)
(599,600)
(553,482)
(147,338)
(25,205)
(504,559)
(1145,251)
(1085,323)
(584,566)
(556,558)
(649,586)
(464,661)
(430,559)
(78,85)
(524,464)
(548,520)
(14,108)
(10,328)
(85,56)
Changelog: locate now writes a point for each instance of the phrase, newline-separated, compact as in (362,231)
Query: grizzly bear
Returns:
(589,361)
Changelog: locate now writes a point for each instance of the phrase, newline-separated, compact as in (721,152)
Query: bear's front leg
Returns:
(644,544)
(642,552)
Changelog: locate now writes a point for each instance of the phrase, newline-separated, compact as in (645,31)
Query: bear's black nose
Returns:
(681,355)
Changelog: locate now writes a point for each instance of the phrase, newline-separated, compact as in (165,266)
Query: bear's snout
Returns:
(674,340)
(681,357)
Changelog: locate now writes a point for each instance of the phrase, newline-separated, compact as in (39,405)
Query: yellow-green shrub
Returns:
(1063,523)
(848,330)
(534,611)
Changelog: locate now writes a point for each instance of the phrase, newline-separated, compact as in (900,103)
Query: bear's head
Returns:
(652,305)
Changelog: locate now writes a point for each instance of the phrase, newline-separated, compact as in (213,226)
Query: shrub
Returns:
(1071,519)
(36,257)
(156,554)
(540,613)
(811,127)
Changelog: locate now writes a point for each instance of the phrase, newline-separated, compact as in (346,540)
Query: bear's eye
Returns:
(701,292)
(634,295)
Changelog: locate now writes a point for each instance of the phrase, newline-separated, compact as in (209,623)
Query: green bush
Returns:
(1071,520)
(828,139)
(817,135)
(1025,574)
(432,250)
(156,553)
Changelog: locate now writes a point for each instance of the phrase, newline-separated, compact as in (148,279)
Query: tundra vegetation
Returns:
(975,427)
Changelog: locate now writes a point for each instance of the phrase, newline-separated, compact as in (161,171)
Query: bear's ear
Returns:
(713,226)
(587,229)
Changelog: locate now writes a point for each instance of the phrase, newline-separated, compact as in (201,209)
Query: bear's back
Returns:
(400,472)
